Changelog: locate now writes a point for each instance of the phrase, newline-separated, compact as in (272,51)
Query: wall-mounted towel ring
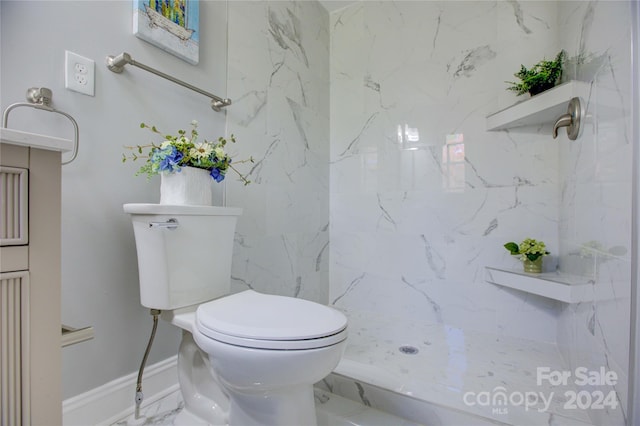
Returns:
(40,98)
(570,120)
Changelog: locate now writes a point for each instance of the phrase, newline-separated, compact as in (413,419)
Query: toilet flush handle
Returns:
(170,224)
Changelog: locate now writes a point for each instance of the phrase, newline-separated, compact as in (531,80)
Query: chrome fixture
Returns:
(117,63)
(170,224)
(570,120)
(40,98)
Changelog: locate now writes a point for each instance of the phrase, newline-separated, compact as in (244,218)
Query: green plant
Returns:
(183,150)
(542,76)
(528,249)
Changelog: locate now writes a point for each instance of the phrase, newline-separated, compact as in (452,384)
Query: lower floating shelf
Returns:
(554,285)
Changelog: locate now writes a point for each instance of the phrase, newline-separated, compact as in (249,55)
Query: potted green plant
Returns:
(542,76)
(531,253)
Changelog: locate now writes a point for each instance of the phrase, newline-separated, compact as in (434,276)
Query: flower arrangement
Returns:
(184,150)
(528,249)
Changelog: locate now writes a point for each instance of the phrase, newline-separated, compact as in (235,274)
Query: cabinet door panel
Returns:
(14,345)
(14,206)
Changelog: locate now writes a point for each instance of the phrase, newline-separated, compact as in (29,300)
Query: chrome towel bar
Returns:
(117,63)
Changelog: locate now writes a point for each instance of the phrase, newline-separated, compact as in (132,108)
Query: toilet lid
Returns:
(253,319)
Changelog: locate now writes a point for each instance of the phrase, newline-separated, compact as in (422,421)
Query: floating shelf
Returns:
(544,108)
(554,285)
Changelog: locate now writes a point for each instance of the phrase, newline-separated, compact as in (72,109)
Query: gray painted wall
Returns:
(99,270)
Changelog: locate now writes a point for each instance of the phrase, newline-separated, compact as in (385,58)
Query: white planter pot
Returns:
(189,186)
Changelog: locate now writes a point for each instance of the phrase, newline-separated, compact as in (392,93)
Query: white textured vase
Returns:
(189,186)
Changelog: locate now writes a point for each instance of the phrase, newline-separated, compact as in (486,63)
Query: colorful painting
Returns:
(171,25)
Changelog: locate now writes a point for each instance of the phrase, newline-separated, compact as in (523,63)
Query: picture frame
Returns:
(171,25)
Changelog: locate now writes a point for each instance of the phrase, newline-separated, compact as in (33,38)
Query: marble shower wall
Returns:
(278,79)
(422,196)
(595,220)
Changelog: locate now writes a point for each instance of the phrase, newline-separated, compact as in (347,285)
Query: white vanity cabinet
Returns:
(30,277)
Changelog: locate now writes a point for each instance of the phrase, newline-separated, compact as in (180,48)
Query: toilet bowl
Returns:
(268,351)
(246,358)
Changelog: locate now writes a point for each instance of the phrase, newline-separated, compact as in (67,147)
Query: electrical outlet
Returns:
(81,79)
(79,73)
(80,68)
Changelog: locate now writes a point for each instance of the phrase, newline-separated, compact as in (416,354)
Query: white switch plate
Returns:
(79,73)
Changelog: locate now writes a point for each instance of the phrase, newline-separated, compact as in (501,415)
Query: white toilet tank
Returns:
(184,252)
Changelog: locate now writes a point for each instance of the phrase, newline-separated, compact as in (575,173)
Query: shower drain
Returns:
(408,349)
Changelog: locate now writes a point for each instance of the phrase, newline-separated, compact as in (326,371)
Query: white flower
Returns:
(201,150)
(165,144)
(219,153)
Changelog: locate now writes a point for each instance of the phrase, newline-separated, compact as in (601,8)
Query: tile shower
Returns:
(368,129)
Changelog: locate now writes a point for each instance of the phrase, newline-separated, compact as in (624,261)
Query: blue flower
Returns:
(167,159)
(216,175)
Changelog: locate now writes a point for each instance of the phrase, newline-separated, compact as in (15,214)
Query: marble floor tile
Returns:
(332,410)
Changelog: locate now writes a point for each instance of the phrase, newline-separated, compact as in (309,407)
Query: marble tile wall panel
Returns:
(414,220)
(278,81)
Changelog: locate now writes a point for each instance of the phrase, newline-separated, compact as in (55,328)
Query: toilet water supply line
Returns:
(139,395)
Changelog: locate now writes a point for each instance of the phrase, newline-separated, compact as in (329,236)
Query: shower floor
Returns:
(457,369)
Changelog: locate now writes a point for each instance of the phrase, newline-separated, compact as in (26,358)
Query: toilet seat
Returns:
(255,320)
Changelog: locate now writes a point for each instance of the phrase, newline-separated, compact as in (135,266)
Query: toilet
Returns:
(246,358)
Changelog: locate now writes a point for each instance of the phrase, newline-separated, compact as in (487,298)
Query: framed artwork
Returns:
(171,25)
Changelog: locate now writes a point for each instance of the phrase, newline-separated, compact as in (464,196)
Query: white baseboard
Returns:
(115,400)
